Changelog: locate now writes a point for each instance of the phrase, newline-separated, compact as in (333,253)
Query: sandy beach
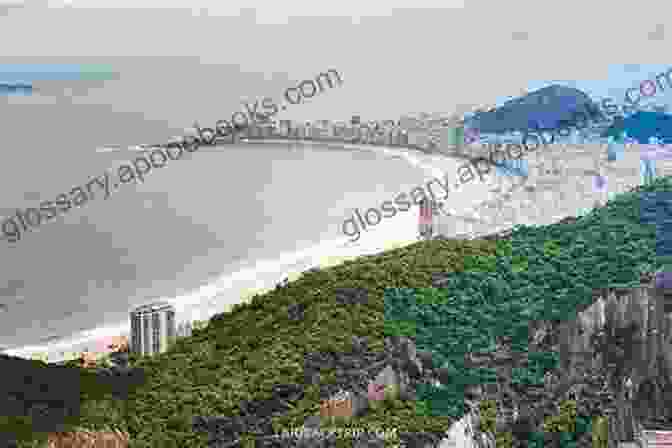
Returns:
(560,177)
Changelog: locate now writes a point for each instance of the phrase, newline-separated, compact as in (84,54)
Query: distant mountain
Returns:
(642,125)
(545,108)
(6,88)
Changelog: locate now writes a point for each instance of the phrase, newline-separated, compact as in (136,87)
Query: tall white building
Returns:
(152,328)
(184,329)
(407,122)
(418,137)
(284,127)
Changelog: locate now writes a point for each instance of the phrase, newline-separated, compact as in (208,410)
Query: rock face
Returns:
(403,349)
(296,311)
(614,358)
(254,418)
(351,296)
(461,435)
(641,328)
(121,379)
(400,370)
(120,359)
(399,366)
(50,394)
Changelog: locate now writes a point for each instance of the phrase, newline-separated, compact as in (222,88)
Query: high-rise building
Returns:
(356,119)
(297,129)
(418,137)
(451,138)
(152,328)
(284,127)
(327,129)
(410,122)
(400,137)
(253,131)
(184,329)
(267,130)
(320,130)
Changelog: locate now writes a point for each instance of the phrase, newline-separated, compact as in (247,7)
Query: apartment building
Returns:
(291,129)
(284,128)
(338,129)
(450,139)
(253,131)
(418,137)
(268,130)
(322,130)
(408,122)
(152,328)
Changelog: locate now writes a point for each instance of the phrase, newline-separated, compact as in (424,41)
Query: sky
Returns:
(619,78)
(395,57)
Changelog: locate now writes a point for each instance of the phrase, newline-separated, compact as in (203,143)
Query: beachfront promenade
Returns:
(428,135)
(560,184)
(496,210)
(279,139)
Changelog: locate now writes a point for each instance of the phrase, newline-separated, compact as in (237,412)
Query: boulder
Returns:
(120,359)
(459,435)
(226,428)
(403,349)
(120,380)
(473,394)
(296,311)
(444,375)
(421,439)
(351,296)
(441,280)
(395,382)
(359,344)
(360,404)
(312,422)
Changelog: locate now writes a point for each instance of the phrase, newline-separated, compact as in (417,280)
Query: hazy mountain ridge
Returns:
(545,108)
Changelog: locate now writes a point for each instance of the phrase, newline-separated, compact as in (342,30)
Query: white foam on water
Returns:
(109,149)
(222,293)
(229,289)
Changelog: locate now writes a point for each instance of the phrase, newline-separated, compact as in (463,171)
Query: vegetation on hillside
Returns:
(493,288)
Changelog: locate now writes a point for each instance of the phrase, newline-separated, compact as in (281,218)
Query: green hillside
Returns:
(496,289)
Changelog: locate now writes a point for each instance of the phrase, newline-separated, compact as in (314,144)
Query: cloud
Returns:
(7,6)
(658,33)
(520,35)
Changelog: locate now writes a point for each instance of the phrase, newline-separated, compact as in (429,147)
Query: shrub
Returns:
(240,355)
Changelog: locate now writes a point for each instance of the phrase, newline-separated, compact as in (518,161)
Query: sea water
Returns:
(208,283)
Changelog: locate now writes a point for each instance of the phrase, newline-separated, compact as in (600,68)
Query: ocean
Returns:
(200,232)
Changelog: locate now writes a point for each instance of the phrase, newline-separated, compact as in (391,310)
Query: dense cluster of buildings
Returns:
(153,326)
(428,132)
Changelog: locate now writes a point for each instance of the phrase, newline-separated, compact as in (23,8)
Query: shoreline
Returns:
(70,347)
(292,264)
(280,140)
